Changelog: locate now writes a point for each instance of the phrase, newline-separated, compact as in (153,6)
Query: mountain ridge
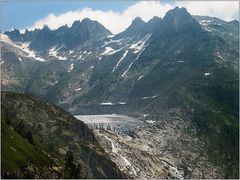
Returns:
(181,68)
(67,35)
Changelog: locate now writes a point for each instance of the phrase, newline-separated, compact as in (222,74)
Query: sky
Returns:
(114,15)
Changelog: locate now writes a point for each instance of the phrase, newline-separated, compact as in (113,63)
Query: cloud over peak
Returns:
(119,21)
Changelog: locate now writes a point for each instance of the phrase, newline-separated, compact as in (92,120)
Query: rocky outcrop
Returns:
(170,148)
(47,127)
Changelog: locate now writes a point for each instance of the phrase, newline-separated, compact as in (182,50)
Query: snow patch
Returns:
(205,24)
(140,77)
(207,74)
(125,72)
(120,60)
(138,46)
(23,47)
(54,52)
(20,59)
(107,104)
(145,115)
(180,61)
(2,62)
(111,41)
(80,56)
(219,56)
(6,39)
(109,51)
(71,67)
(30,53)
(150,121)
(53,83)
(121,103)
(110,36)
(78,89)
(205,21)
(149,97)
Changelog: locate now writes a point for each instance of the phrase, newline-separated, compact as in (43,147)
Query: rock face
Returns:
(52,132)
(179,70)
(79,32)
(169,149)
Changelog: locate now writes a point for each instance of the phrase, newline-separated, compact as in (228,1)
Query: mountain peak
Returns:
(155,19)
(137,20)
(152,25)
(14,35)
(179,19)
(176,12)
(45,27)
(76,23)
(136,25)
(86,19)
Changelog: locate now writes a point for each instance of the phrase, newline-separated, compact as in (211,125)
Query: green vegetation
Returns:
(17,153)
(36,136)
(215,100)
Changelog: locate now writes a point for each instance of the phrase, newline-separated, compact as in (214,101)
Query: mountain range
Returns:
(176,66)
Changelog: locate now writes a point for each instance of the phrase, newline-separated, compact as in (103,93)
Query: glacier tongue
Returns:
(119,124)
(144,148)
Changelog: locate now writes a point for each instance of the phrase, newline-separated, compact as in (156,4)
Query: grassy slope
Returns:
(25,113)
(17,152)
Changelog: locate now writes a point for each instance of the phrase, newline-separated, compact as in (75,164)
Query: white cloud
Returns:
(118,21)
(227,10)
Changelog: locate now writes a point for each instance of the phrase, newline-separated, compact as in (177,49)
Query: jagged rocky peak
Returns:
(84,21)
(76,23)
(136,23)
(90,24)
(155,19)
(137,20)
(62,29)
(88,20)
(45,38)
(84,30)
(136,27)
(46,28)
(236,22)
(179,19)
(154,22)
(176,12)
(14,35)
(152,25)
